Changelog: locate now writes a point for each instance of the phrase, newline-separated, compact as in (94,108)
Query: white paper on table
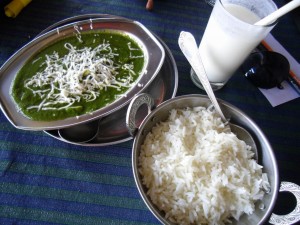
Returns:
(279,96)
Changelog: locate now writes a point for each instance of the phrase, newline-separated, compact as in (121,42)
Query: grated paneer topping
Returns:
(76,76)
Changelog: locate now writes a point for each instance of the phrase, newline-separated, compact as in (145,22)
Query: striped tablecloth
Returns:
(46,181)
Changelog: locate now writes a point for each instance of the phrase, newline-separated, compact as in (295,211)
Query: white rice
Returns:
(198,173)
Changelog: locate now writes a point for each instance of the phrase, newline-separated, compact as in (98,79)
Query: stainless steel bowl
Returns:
(265,153)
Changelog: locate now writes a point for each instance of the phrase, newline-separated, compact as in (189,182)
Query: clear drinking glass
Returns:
(230,36)
(210,2)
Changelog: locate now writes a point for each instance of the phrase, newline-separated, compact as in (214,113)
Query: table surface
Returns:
(46,181)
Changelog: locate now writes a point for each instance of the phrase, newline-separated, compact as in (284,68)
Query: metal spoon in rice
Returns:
(188,46)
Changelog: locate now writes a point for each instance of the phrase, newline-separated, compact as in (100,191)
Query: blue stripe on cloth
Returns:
(67,163)
(37,147)
(6,221)
(76,207)
(71,185)
(36,214)
(67,174)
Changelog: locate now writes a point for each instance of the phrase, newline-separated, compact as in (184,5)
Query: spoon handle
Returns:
(188,46)
(278,13)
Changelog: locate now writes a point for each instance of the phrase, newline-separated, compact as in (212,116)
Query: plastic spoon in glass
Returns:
(278,13)
(188,46)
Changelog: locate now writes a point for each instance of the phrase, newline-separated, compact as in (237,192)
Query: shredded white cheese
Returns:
(76,76)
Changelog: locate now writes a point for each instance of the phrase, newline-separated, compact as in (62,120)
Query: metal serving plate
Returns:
(113,128)
(154,54)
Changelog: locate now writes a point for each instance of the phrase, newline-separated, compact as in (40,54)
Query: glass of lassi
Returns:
(230,36)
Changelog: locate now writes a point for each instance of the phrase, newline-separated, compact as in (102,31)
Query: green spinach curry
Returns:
(77,75)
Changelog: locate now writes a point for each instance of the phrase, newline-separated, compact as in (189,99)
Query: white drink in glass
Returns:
(231,35)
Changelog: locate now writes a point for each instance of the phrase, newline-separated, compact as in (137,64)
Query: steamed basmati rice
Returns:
(196,172)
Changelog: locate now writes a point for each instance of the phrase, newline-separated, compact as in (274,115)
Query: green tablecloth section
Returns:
(46,181)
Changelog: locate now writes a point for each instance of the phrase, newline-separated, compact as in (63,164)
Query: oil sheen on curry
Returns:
(77,75)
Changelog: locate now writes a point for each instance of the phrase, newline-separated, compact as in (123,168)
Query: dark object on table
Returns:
(149,5)
(266,69)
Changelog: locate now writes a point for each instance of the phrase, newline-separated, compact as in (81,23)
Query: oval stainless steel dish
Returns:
(152,48)
(113,127)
